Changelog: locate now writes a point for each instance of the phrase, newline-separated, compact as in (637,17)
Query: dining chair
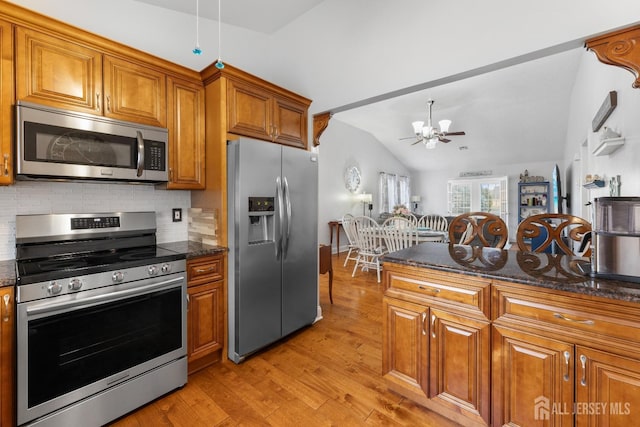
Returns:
(553,233)
(433,222)
(479,229)
(399,222)
(368,240)
(397,238)
(349,229)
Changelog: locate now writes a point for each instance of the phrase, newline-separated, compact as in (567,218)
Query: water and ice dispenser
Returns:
(261,219)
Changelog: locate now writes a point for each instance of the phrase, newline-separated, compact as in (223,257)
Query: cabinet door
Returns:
(185,104)
(608,389)
(205,323)
(57,72)
(533,380)
(290,122)
(405,346)
(6,103)
(249,110)
(460,354)
(7,325)
(134,92)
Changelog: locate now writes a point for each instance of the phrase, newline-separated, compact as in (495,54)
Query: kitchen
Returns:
(59,196)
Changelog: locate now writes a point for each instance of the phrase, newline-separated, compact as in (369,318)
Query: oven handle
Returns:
(100,299)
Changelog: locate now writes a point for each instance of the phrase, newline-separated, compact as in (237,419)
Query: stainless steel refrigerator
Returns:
(273,243)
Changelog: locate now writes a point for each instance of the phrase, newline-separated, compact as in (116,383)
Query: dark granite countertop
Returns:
(192,249)
(8,273)
(558,272)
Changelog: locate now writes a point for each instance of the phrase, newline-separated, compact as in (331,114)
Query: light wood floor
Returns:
(328,374)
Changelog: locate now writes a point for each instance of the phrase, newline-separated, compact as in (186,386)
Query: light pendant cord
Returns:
(219,63)
(196,50)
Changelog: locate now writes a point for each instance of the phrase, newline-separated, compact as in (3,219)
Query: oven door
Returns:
(74,346)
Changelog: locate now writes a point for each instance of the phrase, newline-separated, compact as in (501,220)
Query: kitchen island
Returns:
(492,337)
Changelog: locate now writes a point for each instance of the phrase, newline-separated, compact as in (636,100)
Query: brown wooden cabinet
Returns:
(260,113)
(6,103)
(436,341)
(134,92)
(562,359)
(67,74)
(7,362)
(205,320)
(185,120)
(58,72)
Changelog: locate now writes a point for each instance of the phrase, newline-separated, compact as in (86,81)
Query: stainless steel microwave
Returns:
(60,144)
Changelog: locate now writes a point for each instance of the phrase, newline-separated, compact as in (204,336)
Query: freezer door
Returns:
(300,250)
(254,269)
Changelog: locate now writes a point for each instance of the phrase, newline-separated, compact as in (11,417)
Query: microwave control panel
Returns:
(154,155)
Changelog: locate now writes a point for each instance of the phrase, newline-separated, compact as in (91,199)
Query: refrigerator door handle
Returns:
(280,218)
(287,203)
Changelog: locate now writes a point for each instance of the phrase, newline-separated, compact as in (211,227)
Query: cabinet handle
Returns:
(205,270)
(108,103)
(583,362)
(568,319)
(426,288)
(6,165)
(7,308)
(433,326)
(97,101)
(188,301)
(567,356)
(424,318)
(276,134)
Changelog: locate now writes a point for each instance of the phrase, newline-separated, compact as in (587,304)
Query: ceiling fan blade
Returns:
(417,142)
(454,133)
(407,137)
(445,140)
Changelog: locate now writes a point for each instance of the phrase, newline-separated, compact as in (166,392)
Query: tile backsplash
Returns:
(43,197)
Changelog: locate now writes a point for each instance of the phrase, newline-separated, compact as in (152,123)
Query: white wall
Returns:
(432,186)
(343,146)
(593,83)
(40,197)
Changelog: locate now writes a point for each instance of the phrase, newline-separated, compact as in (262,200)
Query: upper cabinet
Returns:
(6,103)
(258,112)
(69,75)
(133,92)
(58,73)
(185,103)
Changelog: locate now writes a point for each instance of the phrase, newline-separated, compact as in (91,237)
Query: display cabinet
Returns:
(533,199)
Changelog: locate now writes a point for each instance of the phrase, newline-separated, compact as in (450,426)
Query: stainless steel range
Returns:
(101,317)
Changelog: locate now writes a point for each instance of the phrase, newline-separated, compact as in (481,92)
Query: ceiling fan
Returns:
(430,135)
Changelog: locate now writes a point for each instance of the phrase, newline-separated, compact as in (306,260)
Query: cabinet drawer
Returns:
(205,269)
(559,313)
(458,289)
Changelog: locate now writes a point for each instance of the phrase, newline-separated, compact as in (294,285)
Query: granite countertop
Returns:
(192,249)
(188,248)
(558,272)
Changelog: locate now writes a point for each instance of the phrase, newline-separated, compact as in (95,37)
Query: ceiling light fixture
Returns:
(196,50)
(430,135)
(219,63)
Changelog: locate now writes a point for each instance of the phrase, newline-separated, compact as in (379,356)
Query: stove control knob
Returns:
(75,284)
(118,276)
(153,270)
(166,268)
(54,288)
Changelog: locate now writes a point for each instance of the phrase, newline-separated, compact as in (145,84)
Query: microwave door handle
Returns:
(140,153)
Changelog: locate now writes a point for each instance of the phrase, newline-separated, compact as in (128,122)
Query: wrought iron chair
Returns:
(553,233)
(479,229)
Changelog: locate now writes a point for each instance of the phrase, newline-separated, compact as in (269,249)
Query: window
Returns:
(394,190)
(482,194)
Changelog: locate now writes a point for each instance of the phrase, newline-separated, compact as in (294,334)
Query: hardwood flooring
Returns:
(329,374)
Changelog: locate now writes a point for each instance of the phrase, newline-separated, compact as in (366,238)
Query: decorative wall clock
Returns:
(352,178)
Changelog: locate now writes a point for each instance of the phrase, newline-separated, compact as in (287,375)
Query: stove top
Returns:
(81,264)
